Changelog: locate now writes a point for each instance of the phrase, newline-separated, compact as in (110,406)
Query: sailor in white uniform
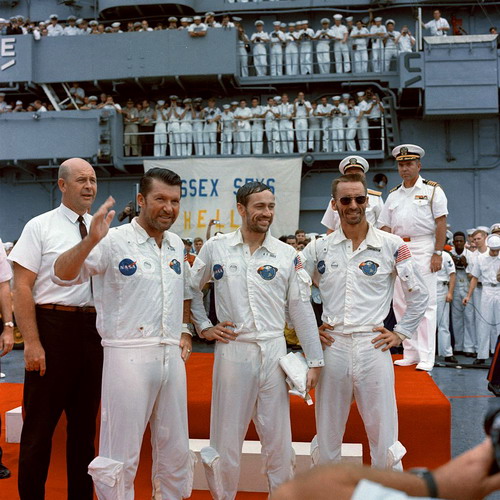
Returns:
(322,38)
(259,40)
(277,40)
(340,47)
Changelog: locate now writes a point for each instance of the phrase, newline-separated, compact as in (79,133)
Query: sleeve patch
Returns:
(402,253)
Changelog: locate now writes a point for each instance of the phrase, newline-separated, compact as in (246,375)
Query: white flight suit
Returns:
(243,54)
(377,48)
(337,127)
(291,54)
(443,307)
(227,126)
(139,290)
(356,287)
(272,130)
(323,50)
(306,51)
(277,38)
(340,49)
(286,127)
(243,130)
(325,125)
(253,291)
(186,133)
(198,132)
(411,213)
(331,218)
(352,127)
(462,317)
(210,131)
(314,135)
(301,125)
(160,137)
(360,51)
(259,52)
(174,131)
(363,133)
(391,51)
(485,269)
(257,129)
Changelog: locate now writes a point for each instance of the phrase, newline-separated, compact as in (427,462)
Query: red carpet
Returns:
(424,423)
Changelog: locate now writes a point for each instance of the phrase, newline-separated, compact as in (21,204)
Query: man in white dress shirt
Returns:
(438,26)
(256,278)
(141,287)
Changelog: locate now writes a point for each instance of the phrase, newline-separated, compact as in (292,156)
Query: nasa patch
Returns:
(369,267)
(267,272)
(175,265)
(321,267)
(127,267)
(218,271)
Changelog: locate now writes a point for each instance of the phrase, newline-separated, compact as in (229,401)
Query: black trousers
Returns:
(72,383)
(147,139)
(375,133)
(494,372)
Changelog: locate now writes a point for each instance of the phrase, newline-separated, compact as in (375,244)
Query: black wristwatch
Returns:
(428,477)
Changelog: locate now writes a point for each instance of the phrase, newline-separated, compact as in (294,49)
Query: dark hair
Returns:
(198,239)
(459,233)
(299,231)
(348,178)
(291,237)
(162,174)
(248,189)
(283,238)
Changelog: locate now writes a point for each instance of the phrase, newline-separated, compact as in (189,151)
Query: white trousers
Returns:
(306,58)
(341,51)
(160,139)
(227,142)
(242,52)
(325,125)
(443,320)
(141,385)
(361,60)
(462,317)
(301,133)
(337,135)
(323,57)
(286,136)
(352,128)
(390,55)
(198,138)
(260,60)
(355,369)
(257,136)
(488,321)
(248,384)
(244,137)
(210,139)
(276,60)
(186,137)
(314,136)
(363,135)
(422,346)
(377,58)
(174,139)
(273,137)
(292,60)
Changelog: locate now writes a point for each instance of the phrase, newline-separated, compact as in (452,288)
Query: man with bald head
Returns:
(62,349)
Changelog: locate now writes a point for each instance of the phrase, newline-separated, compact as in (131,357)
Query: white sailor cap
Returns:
(197,99)
(235,103)
(495,227)
(338,17)
(390,21)
(188,100)
(226,106)
(173,97)
(360,93)
(93,98)
(346,96)
(283,25)
(237,19)
(173,19)
(350,18)
(189,19)
(325,20)
(53,16)
(277,23)
(493,241)
(19,103)
(336,98)
(2,20)
(210,14)
(259,23)
(470,232)
(305,21)
(70,18)
(8,106)
(115,24)
(353,161)
(13,19)
(378,19)
(292,24)
(485,229)
(95,23)
(195,18)
(79,20)
(183,19)
(408,152)
(161,102)
(277,98)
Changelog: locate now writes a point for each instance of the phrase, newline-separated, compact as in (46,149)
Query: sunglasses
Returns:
(346,200)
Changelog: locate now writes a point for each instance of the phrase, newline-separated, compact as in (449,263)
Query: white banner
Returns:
(209,187)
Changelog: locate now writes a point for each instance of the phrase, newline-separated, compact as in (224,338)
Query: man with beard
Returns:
(355,269)
(139,281)
(256,277)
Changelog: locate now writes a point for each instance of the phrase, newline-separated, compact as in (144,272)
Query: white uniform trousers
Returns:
(276,60)
(198,138)
(292,60)
(174,139)
(443,320)
(306,58)
(160,139)
(337,135)
(244,140)
(301,133)
(248,384)
(141,385)
(355,369)
(260,59)
(323,56)
(227,142)
(462,317)
(243,55)
(286,136)
(361,60)
(377,58)
(363,135)
(325,126)
(350,134)
(186,135)
(488,321)
(314,135)
(390,54)
(341,51)
(257,136)
(131,140)
(273,137)
(422,346)
(210,139)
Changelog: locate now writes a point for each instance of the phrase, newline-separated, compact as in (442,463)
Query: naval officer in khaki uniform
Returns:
(416,210)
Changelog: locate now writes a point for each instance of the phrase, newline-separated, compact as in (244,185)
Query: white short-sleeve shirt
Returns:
(5,269)
(447,268)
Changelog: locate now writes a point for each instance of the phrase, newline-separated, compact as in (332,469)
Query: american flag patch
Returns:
(403,253)
(298,263)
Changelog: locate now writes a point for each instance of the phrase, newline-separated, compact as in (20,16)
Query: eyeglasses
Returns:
(346,200)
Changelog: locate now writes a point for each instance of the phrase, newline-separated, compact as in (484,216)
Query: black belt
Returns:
(58,307)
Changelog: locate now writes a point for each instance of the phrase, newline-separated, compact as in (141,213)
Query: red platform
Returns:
(424,423)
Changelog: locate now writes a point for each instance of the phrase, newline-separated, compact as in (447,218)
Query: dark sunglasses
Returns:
(346,200)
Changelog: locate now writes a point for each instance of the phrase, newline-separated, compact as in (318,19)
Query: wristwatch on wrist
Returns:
(438,252)
(428,477)
(9,323)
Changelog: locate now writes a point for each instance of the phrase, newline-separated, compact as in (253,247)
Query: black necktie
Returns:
(82,227)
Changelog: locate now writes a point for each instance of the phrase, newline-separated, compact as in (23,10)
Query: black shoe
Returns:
(459,353)
(451,359)
(494,388)
(469,354)
(4,472)
(479,361)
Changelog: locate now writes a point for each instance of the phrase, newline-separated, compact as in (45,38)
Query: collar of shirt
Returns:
(142,235)
(418,184)
(372,239)
(73,216)
(237,239)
